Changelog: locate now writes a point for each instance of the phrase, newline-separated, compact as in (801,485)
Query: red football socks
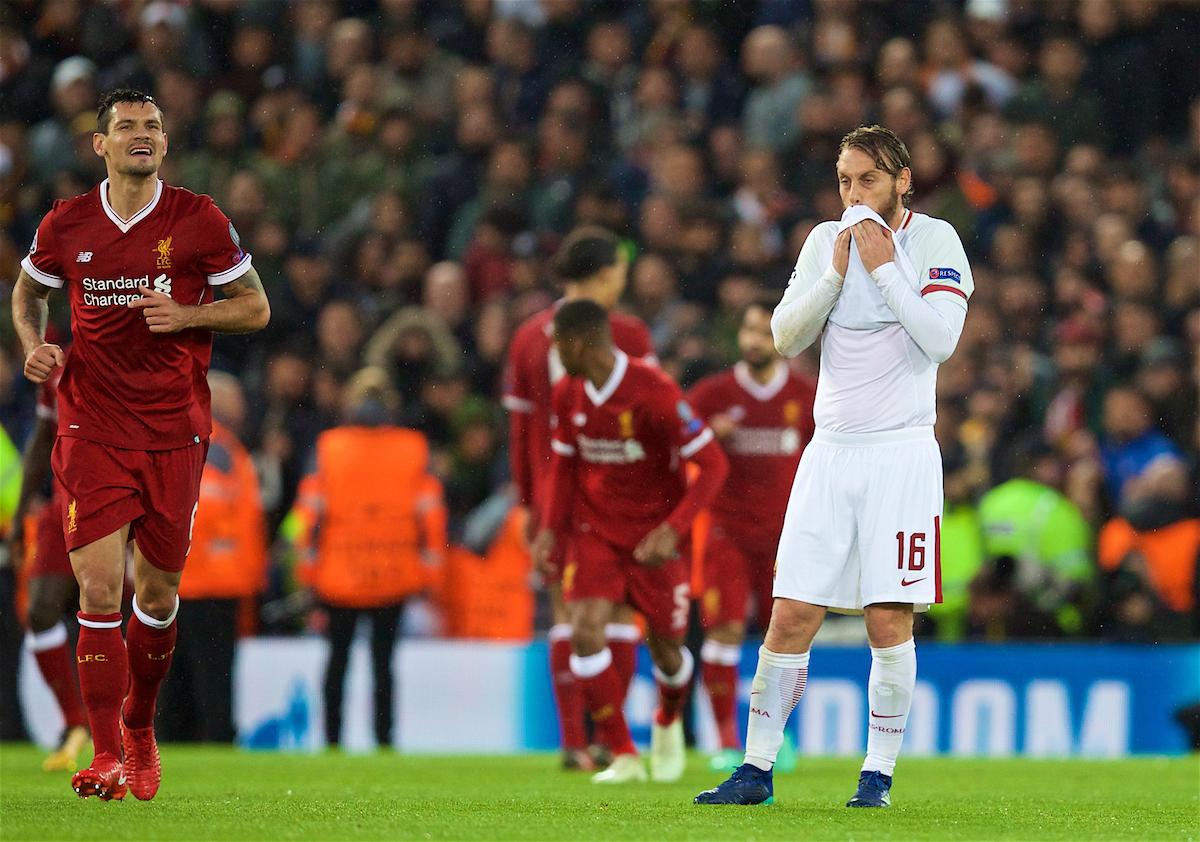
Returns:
(673,690)
(49,648)
(150,650)
(721,681)
(604,696)
(55,665)
(103,677)
(568,695)
(623,643)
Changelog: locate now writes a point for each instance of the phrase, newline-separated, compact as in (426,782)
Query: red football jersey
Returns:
(775,422)
(533,369)
(628,441)
(123,385)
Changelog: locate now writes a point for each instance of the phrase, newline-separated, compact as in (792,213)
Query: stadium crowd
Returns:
(402,172)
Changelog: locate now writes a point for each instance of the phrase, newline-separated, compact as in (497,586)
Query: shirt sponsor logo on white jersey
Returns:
(610,451)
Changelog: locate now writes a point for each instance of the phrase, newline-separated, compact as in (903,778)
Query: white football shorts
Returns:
(863,523)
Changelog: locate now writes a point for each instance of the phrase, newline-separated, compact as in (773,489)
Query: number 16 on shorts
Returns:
(911,555)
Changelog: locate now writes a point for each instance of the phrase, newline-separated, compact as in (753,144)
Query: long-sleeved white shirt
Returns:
(884,333)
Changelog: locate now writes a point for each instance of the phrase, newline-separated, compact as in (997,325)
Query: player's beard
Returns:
(758,362)
(889,210)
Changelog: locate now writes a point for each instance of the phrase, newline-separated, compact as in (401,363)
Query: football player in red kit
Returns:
(52,585)
(762,414)
(619,499)
(591,265)
(139,261)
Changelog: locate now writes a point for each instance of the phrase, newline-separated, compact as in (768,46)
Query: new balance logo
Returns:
(84,257)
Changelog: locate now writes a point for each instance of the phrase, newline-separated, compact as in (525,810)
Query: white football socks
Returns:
(778,684)
(890,692)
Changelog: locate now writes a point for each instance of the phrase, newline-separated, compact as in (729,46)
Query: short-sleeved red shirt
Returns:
(123,385)
(533,369)
(629,441)
(774,423)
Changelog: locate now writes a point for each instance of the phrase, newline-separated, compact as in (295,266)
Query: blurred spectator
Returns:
(52,142)
(950,70)
(770,58)
(1054,96)
(373,533)
(411,346)
(1131,445)
(1044,538)
(1149,555)
(209,169)
(161,45)
(712,94)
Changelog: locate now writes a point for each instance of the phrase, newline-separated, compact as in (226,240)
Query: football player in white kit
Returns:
(886,290)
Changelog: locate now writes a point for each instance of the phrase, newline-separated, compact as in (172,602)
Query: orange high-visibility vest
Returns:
(1170,554)
(491,597)
(228,555)
(374,509)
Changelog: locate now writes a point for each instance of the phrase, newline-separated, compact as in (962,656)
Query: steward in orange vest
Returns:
(373,523)
(225,574)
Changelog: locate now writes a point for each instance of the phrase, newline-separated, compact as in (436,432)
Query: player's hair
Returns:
(582,318)
(883,147)
(104,112)
(585,252)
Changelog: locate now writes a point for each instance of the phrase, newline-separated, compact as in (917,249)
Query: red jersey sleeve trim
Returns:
(43,278)
(242,267)
(943,288)
(515,404)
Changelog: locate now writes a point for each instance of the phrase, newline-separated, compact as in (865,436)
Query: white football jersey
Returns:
(873,376)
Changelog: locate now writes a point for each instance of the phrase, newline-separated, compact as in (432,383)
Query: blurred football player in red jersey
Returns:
(590,265)
(139,261)
(51,583)
(762,414)
(619,499)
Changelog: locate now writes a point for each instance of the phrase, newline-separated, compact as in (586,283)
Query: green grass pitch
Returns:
(222,793)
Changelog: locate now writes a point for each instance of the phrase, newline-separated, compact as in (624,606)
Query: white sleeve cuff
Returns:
(222,278)
(43,278)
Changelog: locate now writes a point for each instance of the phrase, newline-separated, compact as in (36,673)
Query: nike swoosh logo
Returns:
(904,583)
(882,716)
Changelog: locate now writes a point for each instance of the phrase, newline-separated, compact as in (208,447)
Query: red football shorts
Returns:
(156,491)
(735,567)
(599,570)
(50,556)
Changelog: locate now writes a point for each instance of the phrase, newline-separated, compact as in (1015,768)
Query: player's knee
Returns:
(587,638)
(158,604)
(793,625)
(99,594)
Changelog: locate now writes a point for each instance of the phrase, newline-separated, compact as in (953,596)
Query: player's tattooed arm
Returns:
(244,310)
(248,292)
(30,313)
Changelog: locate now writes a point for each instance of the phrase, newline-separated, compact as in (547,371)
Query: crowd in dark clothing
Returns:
(403,170)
